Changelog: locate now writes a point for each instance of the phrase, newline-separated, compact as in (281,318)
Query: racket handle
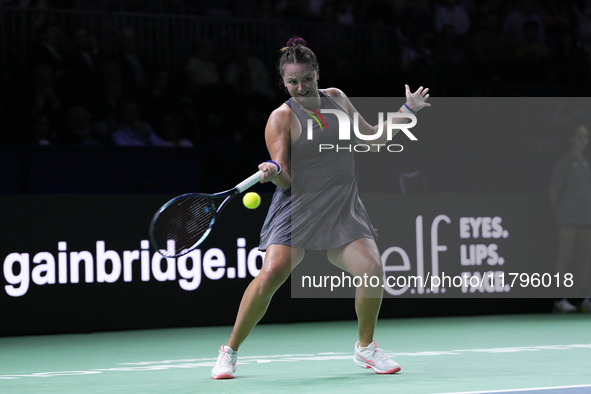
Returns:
(248,182)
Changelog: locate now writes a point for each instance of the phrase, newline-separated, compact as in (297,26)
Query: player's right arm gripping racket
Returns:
(184,222)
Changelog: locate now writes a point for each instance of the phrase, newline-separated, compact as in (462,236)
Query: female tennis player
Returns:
(315,206)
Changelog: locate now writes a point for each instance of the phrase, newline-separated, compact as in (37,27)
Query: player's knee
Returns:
(273,276)
(374,268)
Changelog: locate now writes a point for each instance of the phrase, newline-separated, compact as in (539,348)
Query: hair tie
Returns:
(296,41)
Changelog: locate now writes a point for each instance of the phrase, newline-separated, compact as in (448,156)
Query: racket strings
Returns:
(184,222)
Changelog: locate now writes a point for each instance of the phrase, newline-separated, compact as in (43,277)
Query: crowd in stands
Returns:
(87,97)
(72,92)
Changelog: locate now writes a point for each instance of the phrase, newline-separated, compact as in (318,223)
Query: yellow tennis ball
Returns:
(251,200)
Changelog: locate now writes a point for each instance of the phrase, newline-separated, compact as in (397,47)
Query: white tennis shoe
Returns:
(585,306)
(226,365)
(563,306)
(372,357)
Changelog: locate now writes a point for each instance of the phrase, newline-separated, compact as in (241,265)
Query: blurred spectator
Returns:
(42,131)
(556,19)
(451,55)
(172,134)
(151,6)
(582,11)
(92,5)
(132,130)
(218,8)
(344,13)
(245,9)
(513,27)
(189,123)
(532,58)
(82,131)
(420,10)
(39,17)
(46,91)
(294,10)
(570,197)
(328,13)
(49,50)
(57,4)
(202,70)
(248,74)
(5,128)
(85,70)
(378,12)
(417,58)
(315,7)
(160,101)
(488,47)
(406,30)
(113,92)
(132,67)
(325,38)
(43,96)
(450,12)
(415,6)
(571,62)
(175,7)
(267,10)
(63,4)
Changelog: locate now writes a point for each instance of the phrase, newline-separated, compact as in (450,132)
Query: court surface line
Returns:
(325,356)
(533,389)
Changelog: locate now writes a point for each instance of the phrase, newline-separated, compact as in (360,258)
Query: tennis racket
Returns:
(184,222)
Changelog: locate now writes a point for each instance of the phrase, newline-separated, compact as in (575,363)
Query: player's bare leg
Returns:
(278,264)
(362,258)
(279,261)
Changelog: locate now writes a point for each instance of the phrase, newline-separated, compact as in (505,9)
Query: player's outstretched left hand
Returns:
(418,99)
